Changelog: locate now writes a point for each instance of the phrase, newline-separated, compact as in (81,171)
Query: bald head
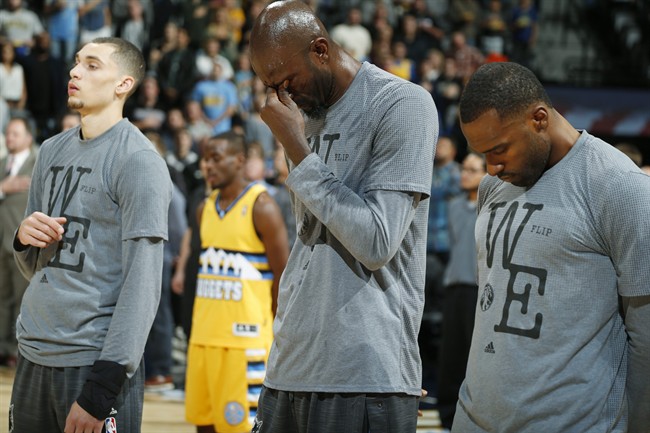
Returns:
(290,49)
(284,26)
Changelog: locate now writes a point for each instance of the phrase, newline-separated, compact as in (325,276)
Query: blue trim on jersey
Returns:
(222,213)
(256,366)
(267,275)
(255,389)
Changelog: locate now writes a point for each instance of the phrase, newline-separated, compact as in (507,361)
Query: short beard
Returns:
(75,104)
(317,113)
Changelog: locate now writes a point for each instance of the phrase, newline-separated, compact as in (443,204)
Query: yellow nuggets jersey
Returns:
(233,293)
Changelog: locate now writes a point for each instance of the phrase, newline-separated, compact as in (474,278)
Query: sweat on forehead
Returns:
(285,24)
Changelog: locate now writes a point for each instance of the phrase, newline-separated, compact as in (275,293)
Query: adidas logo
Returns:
(489,348)
(44,279)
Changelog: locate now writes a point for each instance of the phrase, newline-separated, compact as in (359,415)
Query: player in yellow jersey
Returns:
(244,249)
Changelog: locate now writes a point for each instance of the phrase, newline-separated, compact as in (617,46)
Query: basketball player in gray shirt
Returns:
(92,246)
(345,356)
(561,340)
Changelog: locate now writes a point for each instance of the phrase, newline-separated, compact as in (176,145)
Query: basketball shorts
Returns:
(222,386)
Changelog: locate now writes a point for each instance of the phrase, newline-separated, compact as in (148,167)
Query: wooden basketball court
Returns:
(162,416)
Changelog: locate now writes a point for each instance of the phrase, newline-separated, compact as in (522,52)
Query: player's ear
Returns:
(125,85)
(540,118)
(320,48)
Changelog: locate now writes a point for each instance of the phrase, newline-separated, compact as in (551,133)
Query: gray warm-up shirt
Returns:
(351,296)
(552,349)
(94,294)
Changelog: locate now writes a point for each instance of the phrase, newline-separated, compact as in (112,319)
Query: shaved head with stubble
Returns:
(290,49)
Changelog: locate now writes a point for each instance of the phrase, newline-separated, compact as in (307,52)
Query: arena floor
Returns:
(161,416)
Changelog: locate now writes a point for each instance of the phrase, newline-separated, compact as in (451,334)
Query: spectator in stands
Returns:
(218,98)
(13,88)
(431,69)
(19,26)
(15,177)
(254,9)
(174,122)
(135,28)
(460,289)
(380,26)
(255,168)
(523,24)
(237,19)
(468,58)
(161,46)
(416,40)
(256,130)
(185,160)
(164,11)
(147,111)
(382,51)
(243,79)
(198,127)
(195,17)
(222,28)
(465,16)
(175,175)
(210,54)
(121,13)
(429,23)
(353,36)
(493,29)
(94,20)
(445,185)
(446,94)
(46,80)
(63,26)
(177,71)
(400,64)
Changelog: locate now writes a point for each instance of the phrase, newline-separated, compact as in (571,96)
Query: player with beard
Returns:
(92,246)
(345,354)
(561,339)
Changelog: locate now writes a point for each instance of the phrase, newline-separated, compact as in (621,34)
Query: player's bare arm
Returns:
(273,233)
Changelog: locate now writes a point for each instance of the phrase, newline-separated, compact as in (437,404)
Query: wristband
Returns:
(18,246)
(101,389)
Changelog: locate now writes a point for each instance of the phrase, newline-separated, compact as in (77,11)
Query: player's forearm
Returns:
(370,228)
(137,304)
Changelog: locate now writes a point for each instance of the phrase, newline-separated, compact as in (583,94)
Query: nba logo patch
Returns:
(111,425)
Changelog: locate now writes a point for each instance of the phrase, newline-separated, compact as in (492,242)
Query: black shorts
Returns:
(310,412)
(41,398)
